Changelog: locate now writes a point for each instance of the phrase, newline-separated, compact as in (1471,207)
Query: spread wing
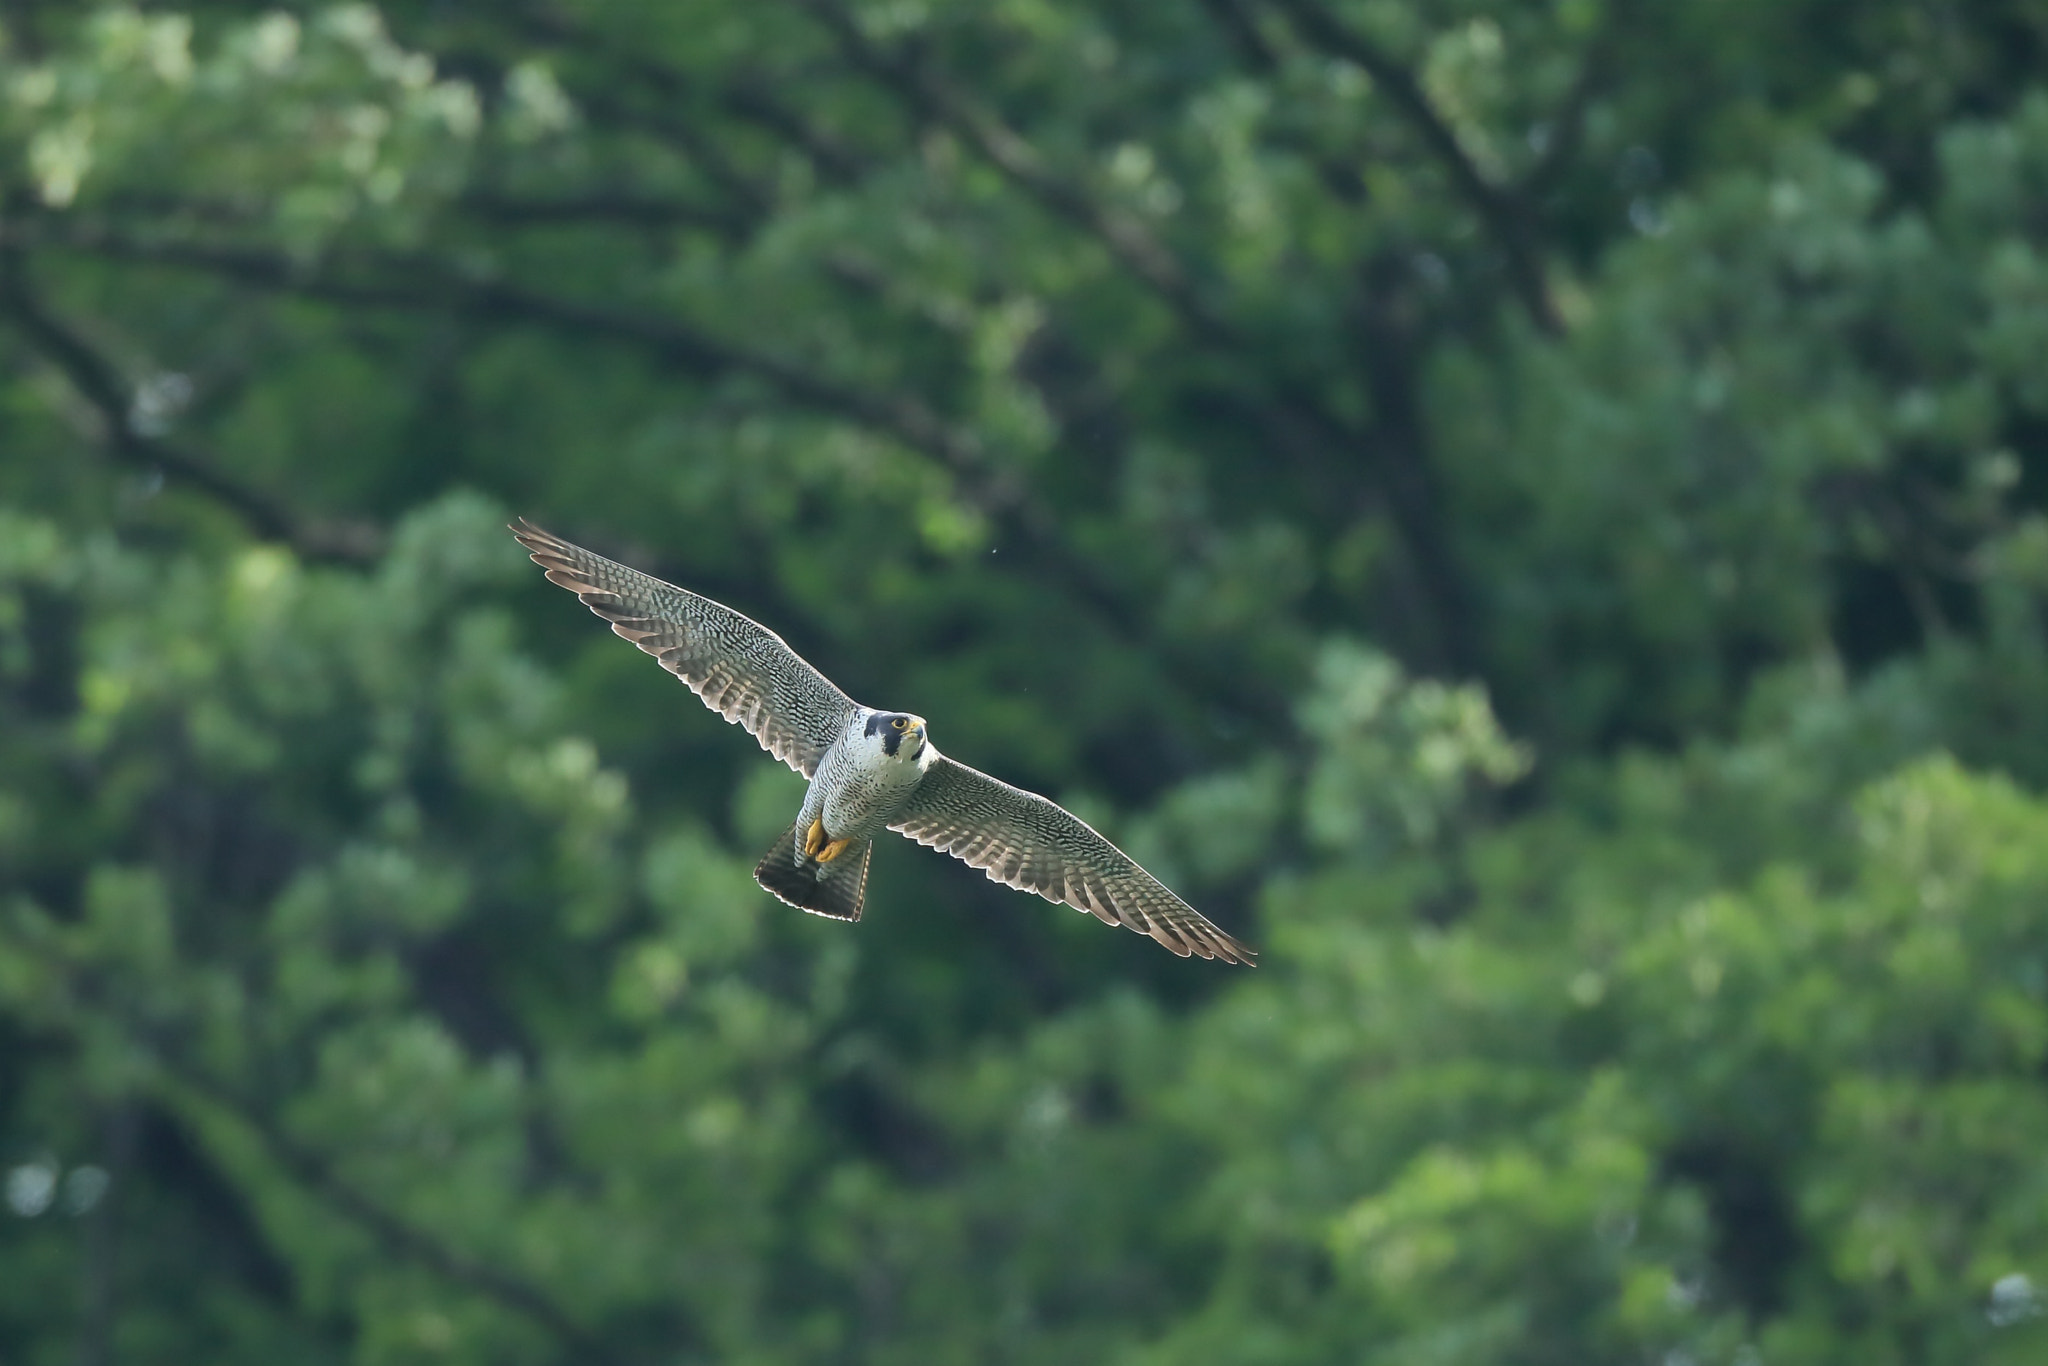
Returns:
(743,671)
(1035,845)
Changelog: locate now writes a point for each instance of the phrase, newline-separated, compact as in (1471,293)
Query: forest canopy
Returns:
(1534,515)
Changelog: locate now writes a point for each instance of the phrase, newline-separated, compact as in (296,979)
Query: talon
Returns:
(833,850)
(814,838)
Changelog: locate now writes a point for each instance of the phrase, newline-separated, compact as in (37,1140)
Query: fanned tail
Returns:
(837,889)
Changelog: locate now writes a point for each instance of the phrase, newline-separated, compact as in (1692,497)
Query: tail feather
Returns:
(837,889)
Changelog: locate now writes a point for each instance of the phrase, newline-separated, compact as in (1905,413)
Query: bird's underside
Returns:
(838,892)
(751,676)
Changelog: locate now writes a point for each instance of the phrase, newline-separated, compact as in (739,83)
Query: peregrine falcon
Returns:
(870,770)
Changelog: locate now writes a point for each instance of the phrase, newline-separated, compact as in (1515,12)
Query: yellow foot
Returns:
(814,838)
(833,850)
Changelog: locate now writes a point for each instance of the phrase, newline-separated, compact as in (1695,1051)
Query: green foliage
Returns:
(1590,1123)
(1535,515)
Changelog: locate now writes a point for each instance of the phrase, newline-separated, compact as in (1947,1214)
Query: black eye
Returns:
(899,723)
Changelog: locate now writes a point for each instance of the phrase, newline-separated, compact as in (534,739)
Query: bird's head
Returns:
(900,735)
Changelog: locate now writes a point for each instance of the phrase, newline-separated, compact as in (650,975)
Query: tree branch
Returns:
(609,208)
(934,100)
(1294,414)
(1243,32)
(100,384)
(751,204)
(749,102)
(25,27)
(100,1282)
(1568,125)
(315,1172)
(1340,177)
(1505,215)
(416,283)
(1389,330)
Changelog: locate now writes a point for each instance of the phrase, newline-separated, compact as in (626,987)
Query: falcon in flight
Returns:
(869,770)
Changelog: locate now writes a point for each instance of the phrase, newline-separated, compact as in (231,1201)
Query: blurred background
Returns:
(1531,512)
